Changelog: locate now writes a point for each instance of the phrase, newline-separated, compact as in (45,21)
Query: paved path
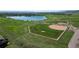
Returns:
(74,40)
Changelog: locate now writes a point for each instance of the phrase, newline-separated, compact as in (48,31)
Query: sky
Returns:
(38,5)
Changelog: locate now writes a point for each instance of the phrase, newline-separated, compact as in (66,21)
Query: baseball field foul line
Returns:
(61,34)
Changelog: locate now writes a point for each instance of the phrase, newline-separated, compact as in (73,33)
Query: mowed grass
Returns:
(44,30)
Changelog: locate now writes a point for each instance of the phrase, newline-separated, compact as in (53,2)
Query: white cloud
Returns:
(29,5)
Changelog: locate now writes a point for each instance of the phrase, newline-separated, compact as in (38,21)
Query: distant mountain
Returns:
(71,12)
(35,13)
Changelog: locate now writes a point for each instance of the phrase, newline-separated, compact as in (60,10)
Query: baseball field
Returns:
(46,30)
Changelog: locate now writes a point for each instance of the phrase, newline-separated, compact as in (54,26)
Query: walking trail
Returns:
(74,40)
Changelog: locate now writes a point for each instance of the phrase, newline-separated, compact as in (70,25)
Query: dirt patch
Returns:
(58,27)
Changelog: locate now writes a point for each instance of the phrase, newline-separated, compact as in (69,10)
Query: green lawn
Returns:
(43,29)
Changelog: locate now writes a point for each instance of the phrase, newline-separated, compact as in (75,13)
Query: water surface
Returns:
(28,17)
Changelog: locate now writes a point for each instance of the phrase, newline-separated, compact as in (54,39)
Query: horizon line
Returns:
(35,10)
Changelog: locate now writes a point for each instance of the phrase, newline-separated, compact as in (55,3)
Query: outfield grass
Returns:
(51,33)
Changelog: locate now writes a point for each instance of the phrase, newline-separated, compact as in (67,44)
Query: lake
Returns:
(27,17)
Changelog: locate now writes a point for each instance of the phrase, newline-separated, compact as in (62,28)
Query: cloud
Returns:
(37,5)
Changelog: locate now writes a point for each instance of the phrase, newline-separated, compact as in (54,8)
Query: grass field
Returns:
(19,37)
(43,29)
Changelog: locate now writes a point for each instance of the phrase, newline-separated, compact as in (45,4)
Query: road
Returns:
(74,40)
